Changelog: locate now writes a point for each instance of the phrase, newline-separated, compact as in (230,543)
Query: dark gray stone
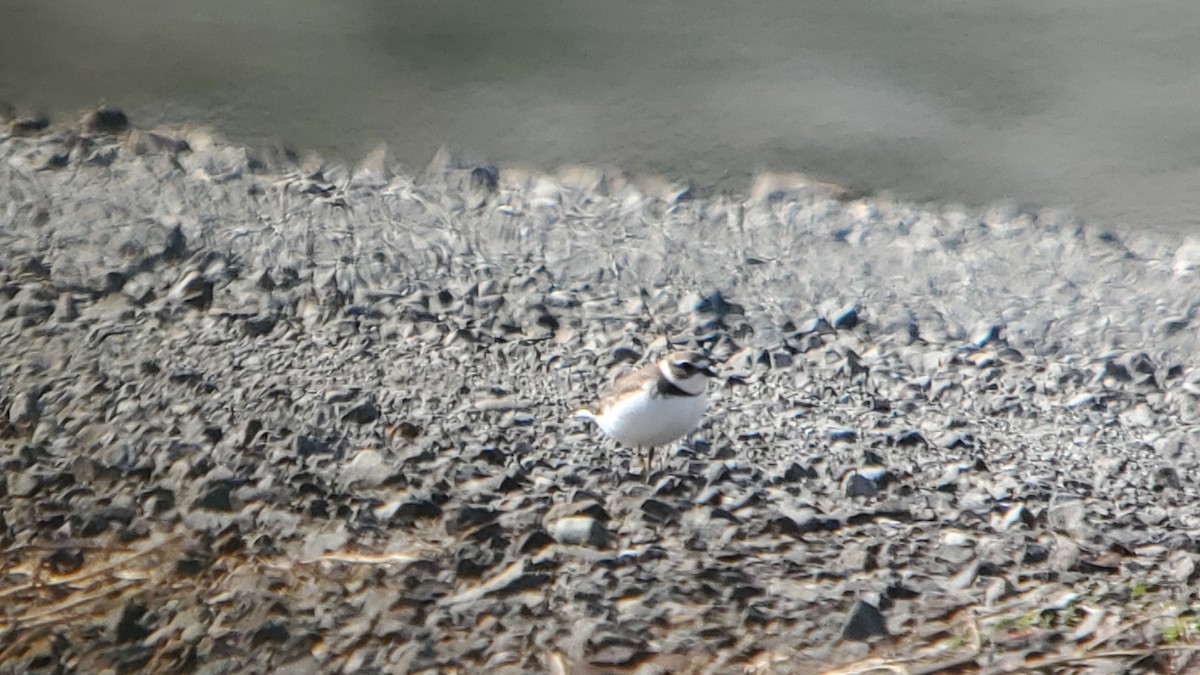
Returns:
(865,622)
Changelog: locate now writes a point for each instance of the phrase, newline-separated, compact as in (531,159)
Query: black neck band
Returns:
(669,388)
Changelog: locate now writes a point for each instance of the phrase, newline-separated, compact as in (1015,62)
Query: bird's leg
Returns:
(649,463)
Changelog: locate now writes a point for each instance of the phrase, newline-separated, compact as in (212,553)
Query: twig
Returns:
(366,558)
(89,573)
(31,620)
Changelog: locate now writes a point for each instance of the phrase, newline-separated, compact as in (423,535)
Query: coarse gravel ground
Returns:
(264,414)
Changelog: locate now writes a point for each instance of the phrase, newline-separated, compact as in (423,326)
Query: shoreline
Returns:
(270,412)
(747,183)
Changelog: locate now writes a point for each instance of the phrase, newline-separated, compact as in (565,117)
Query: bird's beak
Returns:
(709,372)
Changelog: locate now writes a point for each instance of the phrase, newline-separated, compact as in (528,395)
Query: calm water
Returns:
(1090,103)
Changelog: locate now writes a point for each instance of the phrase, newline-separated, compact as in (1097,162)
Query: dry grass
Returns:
(45,602)
(1020,636)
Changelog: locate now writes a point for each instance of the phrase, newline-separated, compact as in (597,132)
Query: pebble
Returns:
(581,531)
(107,120)
(865,622)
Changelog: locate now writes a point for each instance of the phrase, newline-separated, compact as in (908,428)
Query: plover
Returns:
(654,405)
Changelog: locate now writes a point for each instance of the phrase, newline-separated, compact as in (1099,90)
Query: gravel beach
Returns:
(260,413)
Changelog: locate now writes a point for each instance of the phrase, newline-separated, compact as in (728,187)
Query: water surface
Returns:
(1089,103)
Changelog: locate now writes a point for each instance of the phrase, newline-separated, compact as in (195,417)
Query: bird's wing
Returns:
(622,385)
(631,382)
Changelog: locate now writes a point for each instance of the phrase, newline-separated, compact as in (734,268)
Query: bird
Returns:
(654,405)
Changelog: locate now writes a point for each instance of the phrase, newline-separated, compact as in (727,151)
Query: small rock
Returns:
(271,631)
(470,517)
(363,413)
(1117,371)
(536,541)
(1167,478)
(29,126)
(22,484)
(818,326)
(795,473)
(1139,416)
(847,318)
(858,486)
(260,325)
(716,473)
(715,303)
(842,435)
(130,627)
(865,622)
(107,120)
(1068,516)
(1081,400)
(66,309)
(25,410)
(422,509)
(64,561)
(485,178)
(217,498)
(658,512)
(987,335)
(366,469)
(580,530)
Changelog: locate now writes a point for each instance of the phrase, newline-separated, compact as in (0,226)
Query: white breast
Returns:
(647,422)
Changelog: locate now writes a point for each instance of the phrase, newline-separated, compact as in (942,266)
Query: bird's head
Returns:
(687,370)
